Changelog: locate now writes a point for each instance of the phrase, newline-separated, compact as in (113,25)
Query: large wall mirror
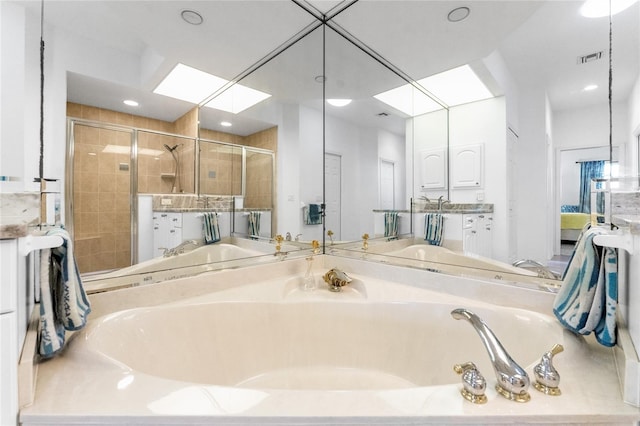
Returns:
(495,156)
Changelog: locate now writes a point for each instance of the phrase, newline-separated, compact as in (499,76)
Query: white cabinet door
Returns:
(433,169)
(9,369)
(485,236)
(466,166)
(9,276)
(167,231)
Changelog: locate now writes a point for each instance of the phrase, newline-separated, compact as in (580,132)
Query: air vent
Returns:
(590,57)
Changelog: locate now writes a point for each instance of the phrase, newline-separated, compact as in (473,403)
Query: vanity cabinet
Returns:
(469,233)
(167,231)
(10,348)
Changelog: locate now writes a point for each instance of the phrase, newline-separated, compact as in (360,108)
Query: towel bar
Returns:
(620,240)
(38,242)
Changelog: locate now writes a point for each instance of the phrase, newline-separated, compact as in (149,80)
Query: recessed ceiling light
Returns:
(192,17)
(339,102)
(600,8)
(225,124)
(590,87)
(130,102)
(458,14)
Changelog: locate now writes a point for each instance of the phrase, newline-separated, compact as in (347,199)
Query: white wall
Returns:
(484,123)
(629,294)
(391,147)
(531,176)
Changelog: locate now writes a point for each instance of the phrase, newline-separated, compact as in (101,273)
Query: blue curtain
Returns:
(588,170)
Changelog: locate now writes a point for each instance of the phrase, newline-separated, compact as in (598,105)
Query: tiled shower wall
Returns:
(102,210)
(226,167)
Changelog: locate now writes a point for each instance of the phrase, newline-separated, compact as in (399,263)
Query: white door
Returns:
(387,185)
(333,193)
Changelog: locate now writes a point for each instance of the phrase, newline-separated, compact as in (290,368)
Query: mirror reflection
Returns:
(481,178)
(498,174)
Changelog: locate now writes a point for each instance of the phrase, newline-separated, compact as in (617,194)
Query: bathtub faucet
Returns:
(513,381)
(336,279)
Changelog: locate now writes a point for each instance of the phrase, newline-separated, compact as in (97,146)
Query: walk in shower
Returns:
(112,158)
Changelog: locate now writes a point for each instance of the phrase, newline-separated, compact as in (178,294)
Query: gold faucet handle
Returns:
(279,240)
(315,245)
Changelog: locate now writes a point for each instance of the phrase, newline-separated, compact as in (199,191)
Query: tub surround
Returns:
(109,393)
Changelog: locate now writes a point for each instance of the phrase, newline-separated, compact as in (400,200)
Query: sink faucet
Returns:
(442,201)
(513,381)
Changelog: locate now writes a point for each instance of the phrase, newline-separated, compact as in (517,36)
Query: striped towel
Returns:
(313,214)
(254,225)
(211,228)
(63,301)
(433,226)
(588,298)
(391,224)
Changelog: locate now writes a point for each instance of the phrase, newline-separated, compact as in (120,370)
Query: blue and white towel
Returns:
(433,227)
(588,298)
(313,214)
(254,225)
(211,228)
(63,301)
(391,224)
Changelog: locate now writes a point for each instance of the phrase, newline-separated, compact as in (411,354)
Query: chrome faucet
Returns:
(513,381)
(442,201)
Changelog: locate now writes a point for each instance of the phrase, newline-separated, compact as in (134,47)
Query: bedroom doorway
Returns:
(574,165)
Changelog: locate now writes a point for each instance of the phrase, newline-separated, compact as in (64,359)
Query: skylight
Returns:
(194,86)
(600,8)
(454,87)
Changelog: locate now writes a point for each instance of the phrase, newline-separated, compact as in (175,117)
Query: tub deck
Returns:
(99,382)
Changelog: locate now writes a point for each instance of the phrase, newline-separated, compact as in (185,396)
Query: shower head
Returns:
(170,149)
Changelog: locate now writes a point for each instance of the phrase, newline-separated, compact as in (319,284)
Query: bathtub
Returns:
(184,264)
(263,351)
(437,254)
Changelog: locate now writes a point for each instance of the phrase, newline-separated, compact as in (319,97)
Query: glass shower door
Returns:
(101,206)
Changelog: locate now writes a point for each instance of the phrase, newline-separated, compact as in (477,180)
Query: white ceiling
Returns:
(539,41)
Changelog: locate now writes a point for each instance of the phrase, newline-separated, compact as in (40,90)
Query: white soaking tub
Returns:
(255,351)
(177,266)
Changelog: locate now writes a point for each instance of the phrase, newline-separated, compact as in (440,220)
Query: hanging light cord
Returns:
(610,103)
(41,167)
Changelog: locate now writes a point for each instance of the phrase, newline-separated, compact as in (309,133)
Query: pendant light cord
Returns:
(610,103)
(41,166)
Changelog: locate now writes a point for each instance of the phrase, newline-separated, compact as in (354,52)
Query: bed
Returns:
(571,223)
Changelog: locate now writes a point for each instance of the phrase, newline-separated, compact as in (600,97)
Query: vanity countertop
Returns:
(18,212)
(450,208)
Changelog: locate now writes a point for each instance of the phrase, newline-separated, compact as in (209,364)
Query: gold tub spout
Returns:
(336,279)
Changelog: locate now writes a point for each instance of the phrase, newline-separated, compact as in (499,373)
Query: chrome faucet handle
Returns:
(547,377)
(473,383)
